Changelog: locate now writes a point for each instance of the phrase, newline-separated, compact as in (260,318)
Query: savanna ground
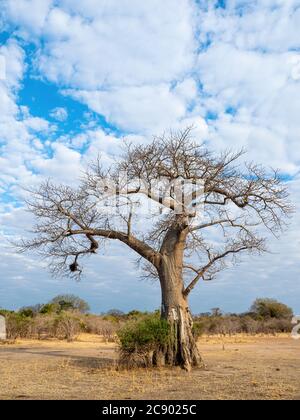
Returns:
(239,367)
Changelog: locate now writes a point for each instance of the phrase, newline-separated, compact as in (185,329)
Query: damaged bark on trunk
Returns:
(181,349)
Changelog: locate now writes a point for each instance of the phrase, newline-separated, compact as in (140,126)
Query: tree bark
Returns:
(181,349)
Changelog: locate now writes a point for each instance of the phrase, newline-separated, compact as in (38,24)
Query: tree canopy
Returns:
(235,199)
(271,308)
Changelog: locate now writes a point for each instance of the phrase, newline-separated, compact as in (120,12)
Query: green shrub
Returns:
(140,338)
(111,318)
(30,311)
(26,312)
(198,329)
(5,312)
(50,308)
(17,326)
(136,314)
(146,333)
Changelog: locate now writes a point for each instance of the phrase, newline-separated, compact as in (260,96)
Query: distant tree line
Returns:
(66,316)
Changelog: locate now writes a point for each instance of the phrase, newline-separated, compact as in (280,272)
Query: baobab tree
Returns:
(212,208)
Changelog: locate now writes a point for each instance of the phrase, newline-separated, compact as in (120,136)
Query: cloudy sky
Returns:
(76,77)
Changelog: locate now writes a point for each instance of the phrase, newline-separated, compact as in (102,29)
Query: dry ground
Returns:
(237,368)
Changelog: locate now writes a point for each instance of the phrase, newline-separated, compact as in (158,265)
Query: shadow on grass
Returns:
(75,360)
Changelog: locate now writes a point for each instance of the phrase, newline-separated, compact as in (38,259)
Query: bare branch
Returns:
(236,247)
(73,223)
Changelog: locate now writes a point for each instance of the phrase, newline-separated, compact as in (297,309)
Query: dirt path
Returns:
(239,368)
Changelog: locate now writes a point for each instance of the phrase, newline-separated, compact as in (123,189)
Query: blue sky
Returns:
(76,77)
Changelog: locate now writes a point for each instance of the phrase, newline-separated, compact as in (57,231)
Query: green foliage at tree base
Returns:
(147,333)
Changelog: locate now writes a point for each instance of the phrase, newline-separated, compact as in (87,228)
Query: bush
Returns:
(67,326)
(198,329)
(5,312)
(18,326)
(96,325)
(26,312)
(44,327)
(136,314)
(275,326)
(30,311)
(249,325)
(114,315)
(140,338)
(50,308)
(146,333)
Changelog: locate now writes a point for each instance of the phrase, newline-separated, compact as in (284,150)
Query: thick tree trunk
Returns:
(181,349)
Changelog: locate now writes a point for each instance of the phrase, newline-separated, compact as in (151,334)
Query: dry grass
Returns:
(239,367)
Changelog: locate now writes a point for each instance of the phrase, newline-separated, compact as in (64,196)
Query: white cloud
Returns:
(29,15)
(106,44)
(122,57)
(13,56)
(37,124)
(2,67)
(59,114)
(14,136)
(18,128)
(269,25)
(143,109)
(134,66)
(259,86)
(64,166)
